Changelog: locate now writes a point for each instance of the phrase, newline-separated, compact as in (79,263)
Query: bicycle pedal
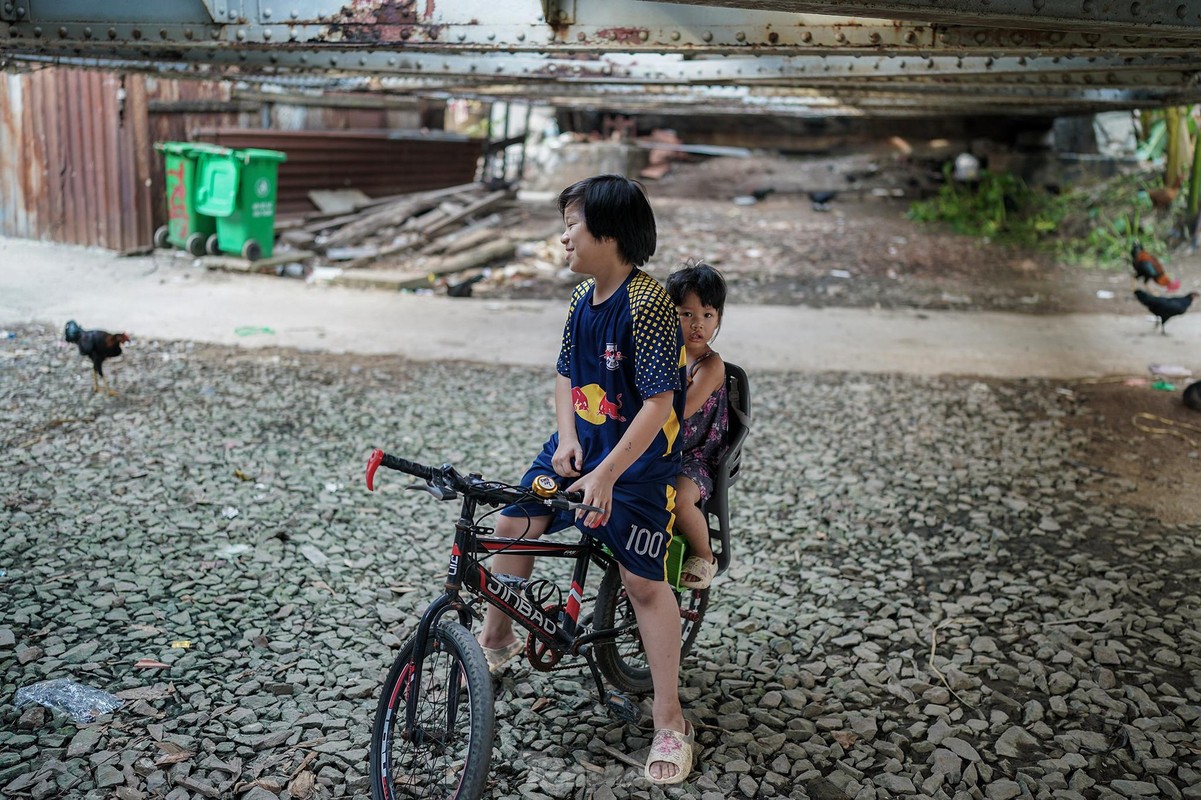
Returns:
(622,707)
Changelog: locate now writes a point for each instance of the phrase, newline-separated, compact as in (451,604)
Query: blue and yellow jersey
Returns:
(616,354)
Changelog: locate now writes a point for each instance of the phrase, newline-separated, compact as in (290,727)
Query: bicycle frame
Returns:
(465,569)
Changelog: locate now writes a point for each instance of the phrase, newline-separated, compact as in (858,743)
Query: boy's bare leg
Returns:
(659,625)
(690,520)
(498,628)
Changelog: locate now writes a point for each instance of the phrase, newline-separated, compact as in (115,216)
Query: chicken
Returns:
(1147,268)
(1165,307)
(1163,198)
(98,346)
(821,200)
(1192,396)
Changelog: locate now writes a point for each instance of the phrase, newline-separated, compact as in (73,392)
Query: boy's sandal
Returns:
(671,747)
(498,657)
(697,573)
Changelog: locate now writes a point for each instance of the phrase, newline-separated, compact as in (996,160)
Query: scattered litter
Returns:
(253,330)
(1169,370)
(745,200)
(7,335)
(230,550)
(82,703)
(229,512)
(3,573)
(320,273)
(242,476)
(1164,386)
(1104,294)
(181,644)
(839,273)
(150,663)
(1135,383)
(332,486)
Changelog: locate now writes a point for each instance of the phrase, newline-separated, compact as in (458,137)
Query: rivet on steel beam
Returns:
(391,62)
(492,37)
(981,37)
(362,61)
(233,13)
(215,33)
(137,33)
(87,33)
(675,36)
(267,34)
(266,13)
(521,37)
(1039,4)
(112,33)
(241,35)
(1087,6)
(1016,37)
(273,58)
(644,35)
(295,14)
(304,59)
(773,37)
(944,38)
(910,37)
(462,37)
(874,38)
(840,37)
(162,33)
(293,34)
(807,37)
(740,36)
(37,31)
(707,36)
(1181,11)
(1136,8)
(581,37)
(333,61)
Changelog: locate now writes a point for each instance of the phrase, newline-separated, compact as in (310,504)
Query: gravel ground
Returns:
(932,595)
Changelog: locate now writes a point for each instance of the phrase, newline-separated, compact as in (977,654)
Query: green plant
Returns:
(999,206)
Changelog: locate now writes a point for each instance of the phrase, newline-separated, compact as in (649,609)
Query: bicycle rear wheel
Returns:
(447,753)
(622,660)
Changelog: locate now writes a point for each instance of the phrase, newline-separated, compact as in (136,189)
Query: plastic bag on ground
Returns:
(82,703)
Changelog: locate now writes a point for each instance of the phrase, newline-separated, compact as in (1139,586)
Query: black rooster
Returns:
(1192,396)
(1165,307)
(98,346)
(820,201)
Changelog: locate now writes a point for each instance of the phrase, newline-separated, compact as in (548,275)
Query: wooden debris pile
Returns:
(411,240)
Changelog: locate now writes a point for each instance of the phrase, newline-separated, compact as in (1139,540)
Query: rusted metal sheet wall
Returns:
(377,163)
(74,158)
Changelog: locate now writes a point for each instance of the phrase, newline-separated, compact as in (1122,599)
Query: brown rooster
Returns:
(1163,198)
(1147,268)
(98,346)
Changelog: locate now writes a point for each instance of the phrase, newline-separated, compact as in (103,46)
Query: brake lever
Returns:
(439,492)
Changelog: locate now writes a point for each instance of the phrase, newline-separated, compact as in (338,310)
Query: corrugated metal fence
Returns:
(75,160)
(78,166)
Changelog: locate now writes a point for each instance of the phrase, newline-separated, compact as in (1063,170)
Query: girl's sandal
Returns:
(671,747)
(697,573)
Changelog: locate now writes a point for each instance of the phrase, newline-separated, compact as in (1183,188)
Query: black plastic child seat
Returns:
(717,507)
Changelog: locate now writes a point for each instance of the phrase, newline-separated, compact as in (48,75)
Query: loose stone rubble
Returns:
(930,597)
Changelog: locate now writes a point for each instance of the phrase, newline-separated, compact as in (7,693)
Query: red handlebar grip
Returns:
(373,462)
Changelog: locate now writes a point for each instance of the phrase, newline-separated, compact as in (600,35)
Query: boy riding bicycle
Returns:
(619,402)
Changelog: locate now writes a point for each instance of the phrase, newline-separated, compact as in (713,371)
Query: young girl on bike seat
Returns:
(699,293)
(618,406)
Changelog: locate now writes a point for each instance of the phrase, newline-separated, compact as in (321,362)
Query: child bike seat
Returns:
(717,507)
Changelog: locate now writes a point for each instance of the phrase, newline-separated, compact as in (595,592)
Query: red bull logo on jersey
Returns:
(593,404)
(612,357)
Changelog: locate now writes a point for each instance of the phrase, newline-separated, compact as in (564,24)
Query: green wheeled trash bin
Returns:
(238,188)
(187,227)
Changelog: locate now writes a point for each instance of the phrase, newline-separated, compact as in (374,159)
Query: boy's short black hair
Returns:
(699,277)
(615,207)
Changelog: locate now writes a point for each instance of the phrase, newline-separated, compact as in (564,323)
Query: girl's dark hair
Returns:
(699,277)
(615,207)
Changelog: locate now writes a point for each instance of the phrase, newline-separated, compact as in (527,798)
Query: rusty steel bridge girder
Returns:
(601,50)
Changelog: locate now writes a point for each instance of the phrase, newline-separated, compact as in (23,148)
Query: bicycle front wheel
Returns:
(622,660)
(445,754)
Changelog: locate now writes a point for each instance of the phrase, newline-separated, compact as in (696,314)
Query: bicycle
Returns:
(435,723)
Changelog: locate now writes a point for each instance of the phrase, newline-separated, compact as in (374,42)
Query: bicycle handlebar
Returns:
(447,477)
